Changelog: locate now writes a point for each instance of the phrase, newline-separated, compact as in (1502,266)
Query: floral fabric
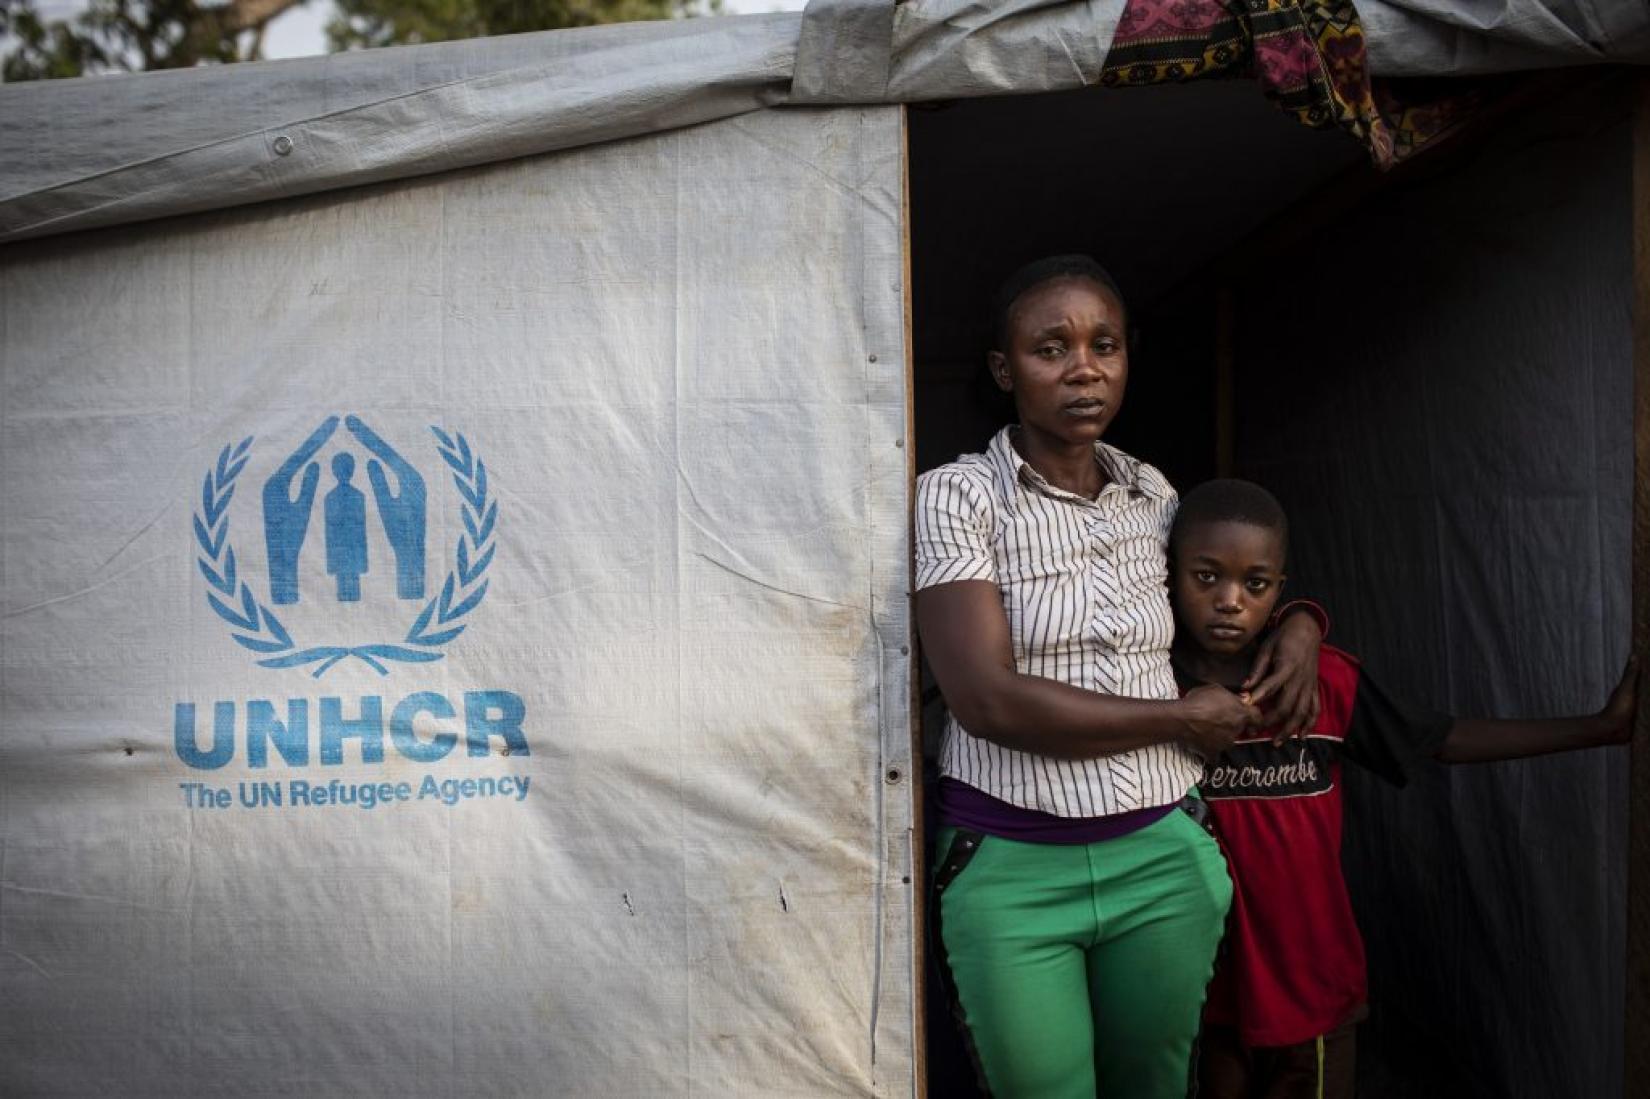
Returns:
(1308,55)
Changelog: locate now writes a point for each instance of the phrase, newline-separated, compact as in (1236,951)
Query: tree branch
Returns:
(245,15)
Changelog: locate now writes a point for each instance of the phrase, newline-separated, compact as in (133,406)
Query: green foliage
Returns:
(126,35)
(41,50)
(389,22)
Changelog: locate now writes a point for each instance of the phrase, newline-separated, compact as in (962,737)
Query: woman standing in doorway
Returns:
(1079,905)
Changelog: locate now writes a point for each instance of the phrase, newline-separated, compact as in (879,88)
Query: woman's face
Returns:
(1065,362)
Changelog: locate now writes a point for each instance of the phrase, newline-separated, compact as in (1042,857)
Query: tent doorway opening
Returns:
(1158,184)
(1433,371)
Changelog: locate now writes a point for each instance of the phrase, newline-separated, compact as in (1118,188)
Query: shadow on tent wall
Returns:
(1434,372)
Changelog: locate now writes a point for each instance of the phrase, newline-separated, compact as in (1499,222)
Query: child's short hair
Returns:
(1229,500)
(1072,265)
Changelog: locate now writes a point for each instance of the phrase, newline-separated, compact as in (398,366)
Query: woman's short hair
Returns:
(1073,265)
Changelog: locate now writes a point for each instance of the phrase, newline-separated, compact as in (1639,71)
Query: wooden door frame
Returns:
(1636,1044)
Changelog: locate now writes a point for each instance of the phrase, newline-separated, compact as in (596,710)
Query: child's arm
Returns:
(1481,740)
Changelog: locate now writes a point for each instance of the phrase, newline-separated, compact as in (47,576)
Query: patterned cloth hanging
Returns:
(1309,56)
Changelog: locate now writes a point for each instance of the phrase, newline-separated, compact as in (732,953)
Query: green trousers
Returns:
(1080,969)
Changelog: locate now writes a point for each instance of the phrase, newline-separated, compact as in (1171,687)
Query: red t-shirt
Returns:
(1292,965)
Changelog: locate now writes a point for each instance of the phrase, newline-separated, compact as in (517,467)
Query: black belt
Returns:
(963,846)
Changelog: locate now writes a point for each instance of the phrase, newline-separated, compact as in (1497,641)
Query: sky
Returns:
(301,31)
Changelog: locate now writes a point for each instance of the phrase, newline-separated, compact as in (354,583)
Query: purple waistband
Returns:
(962,806)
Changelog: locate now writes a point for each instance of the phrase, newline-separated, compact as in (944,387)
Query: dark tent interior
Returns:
(1432,368)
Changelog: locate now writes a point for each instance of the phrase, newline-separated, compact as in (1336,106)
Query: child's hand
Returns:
(1616,719)
(1214,717)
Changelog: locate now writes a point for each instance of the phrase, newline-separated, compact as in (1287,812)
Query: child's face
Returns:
(1227,578)
(1065,361)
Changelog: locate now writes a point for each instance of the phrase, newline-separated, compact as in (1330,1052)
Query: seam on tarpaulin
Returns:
(100,898)
(886,511)
(5,814)
(676,597)
(87,590)
(192,251)
(7,274)
(1083,80)
(191,1007)
(867,389)
(682,480)
(617,564)
(1596,470)
(141,531)
(452,969)
(443,259)
(775,587)
(851,190)
(30,962)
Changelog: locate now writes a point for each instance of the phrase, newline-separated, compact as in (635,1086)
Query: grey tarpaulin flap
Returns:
(1451,38)
(624,88)
(77,154)
(58,131)
(844,52)
(863,51)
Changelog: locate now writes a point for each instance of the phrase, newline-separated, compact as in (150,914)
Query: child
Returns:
(1289,986)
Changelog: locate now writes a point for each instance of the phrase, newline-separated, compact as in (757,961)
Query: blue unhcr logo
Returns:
(286,520)
(401,509)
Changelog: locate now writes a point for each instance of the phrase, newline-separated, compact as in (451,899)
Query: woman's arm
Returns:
(966,640)
(1286,672)
(1482,740)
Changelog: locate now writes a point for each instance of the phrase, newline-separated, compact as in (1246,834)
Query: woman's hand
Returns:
(1214,717)
(1286,672)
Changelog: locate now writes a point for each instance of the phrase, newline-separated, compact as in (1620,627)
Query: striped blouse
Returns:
(1084,585)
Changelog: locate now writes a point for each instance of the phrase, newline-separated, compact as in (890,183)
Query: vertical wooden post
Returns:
(1225,382)
(919,870)
(1636,1047)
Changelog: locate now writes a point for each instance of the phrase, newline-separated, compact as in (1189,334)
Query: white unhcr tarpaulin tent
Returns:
(685,654)
(454,579)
